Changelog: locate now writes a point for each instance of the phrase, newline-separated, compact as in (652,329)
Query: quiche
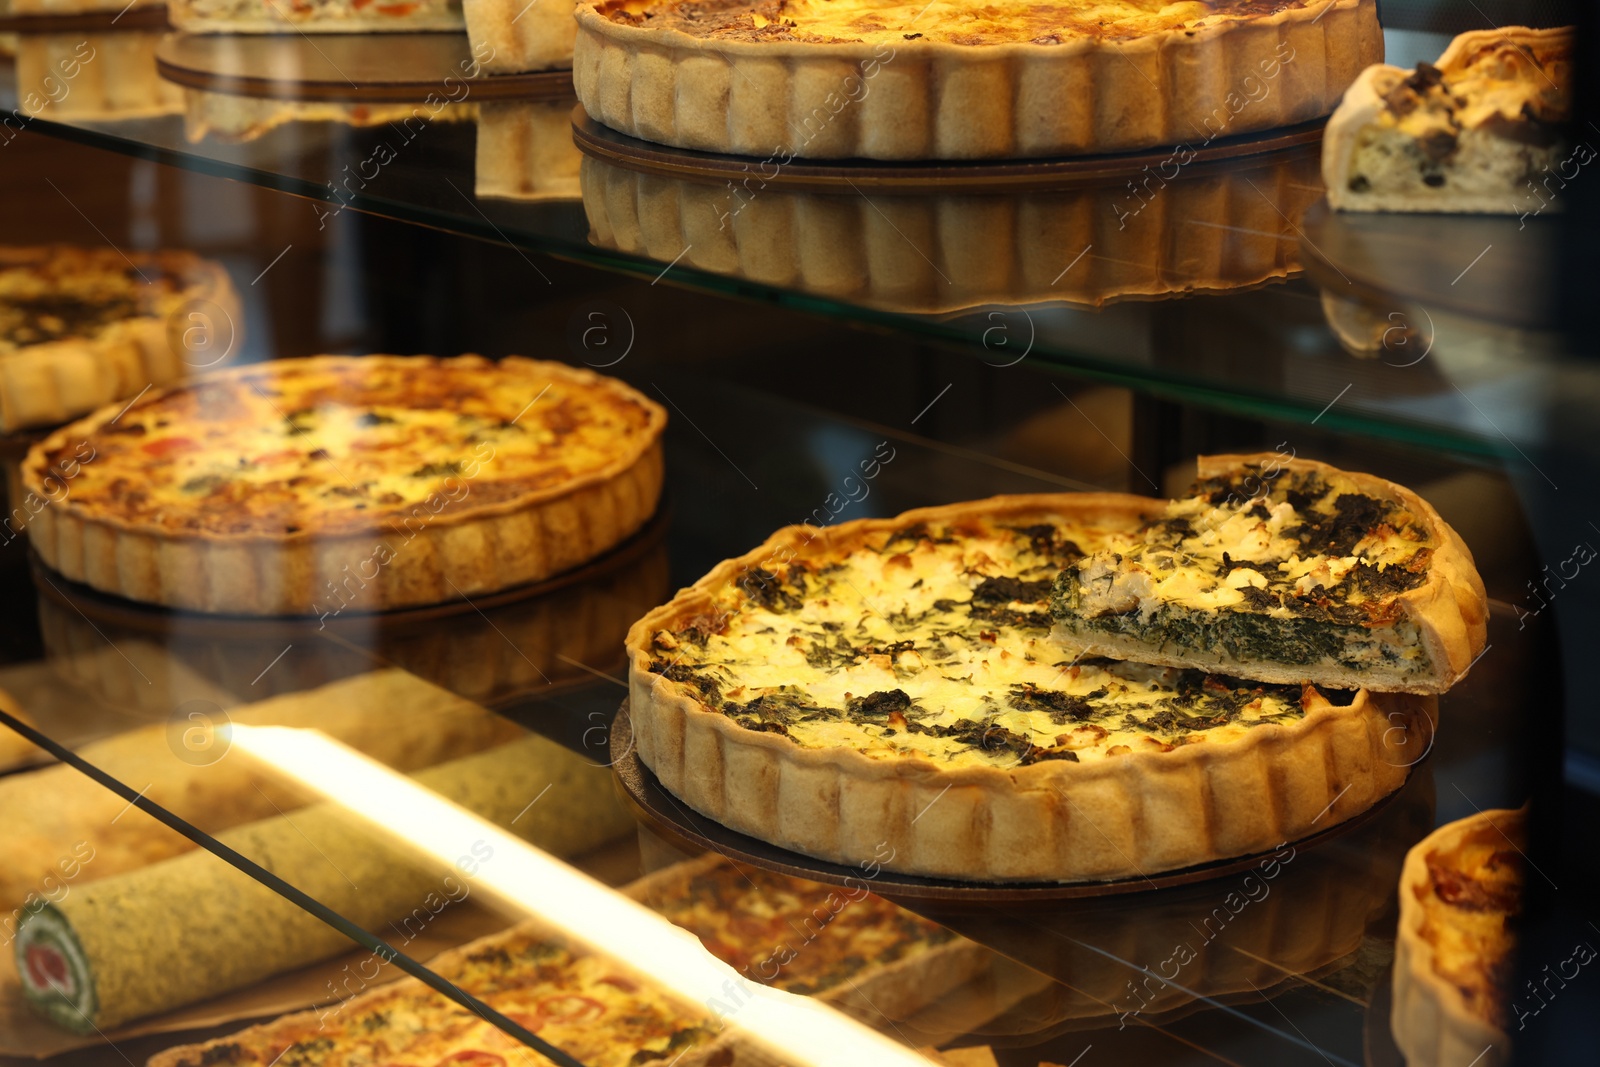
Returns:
(956,79)
(850,947)
(886,692)
(594,1010)
(1455,954)
(521,35)
(1285,570)
(341,483)
(1480,131)
(314,16)
(82,327)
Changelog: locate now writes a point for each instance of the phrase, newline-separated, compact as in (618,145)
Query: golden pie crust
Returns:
(242,560)
(1432,1020)
(517,36)
(877,95)
(49,382)
(1211,232)
(112,75)
(1121,816)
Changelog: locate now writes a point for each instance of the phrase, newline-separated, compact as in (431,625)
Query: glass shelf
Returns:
(1189,289)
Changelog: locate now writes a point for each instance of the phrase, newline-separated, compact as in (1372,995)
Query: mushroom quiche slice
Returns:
(1285,570)
(886,692)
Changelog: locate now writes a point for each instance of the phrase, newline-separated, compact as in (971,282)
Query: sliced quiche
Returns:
(1286,571)
(886,692)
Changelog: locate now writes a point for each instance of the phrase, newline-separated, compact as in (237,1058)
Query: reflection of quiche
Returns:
(954,79)
(1455,956)
(312,486)
(81,327)
(595,1010)
(314,16)
(886,691)
(1480,131)
(1285,570)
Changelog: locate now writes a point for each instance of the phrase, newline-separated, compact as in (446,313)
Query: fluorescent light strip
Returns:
(802,1030)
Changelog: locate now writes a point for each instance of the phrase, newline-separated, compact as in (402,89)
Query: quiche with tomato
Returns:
(957,79)
(588,1007)
(1455,953)
(887,691)
(339,483)
(82,327)
(314,16)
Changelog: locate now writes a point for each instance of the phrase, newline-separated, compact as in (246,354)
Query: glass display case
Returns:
(284,782)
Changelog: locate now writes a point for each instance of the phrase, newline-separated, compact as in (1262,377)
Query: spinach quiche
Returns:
(1480,131)
(329,484)
(956,79)
(886,691)
(1285,570)
(1455,953)
(81,327)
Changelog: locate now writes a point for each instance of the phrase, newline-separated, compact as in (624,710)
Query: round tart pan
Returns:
(688,829)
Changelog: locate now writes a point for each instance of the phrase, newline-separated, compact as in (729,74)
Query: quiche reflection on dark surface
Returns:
(888,691)
(82,327)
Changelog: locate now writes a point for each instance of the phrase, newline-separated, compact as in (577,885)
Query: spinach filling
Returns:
(1243,635)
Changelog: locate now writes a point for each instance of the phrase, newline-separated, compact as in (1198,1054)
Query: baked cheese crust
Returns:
(1481,131)
(1455,954)
(835,79)
(585,1005)
(1283,569)
(375,450)
(961,22)
(314,16)
(821,691)
(81,327)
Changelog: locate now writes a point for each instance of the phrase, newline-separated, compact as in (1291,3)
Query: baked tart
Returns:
(954,79)
(1479,131)
(337,483)
(1455,954)
(1285,570)
(82,327)
(886,691)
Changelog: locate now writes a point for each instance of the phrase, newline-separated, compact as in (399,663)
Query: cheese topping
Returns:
(963,22)
(76,292)
(933,642)
(330,444)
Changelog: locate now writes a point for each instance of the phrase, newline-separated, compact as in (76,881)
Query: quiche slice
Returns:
(81,327)
(1285,570)
(885,692)
(336,484)
(960,79)
(1480,131)
(1455,953)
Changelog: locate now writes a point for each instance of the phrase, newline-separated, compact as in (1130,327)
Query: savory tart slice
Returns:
(82,327)
(1455,953)
(1479,131)
(1287,571)
(585,1005)
(962,79)
(886,692)
(845,945)
(314,16)
(348,483)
